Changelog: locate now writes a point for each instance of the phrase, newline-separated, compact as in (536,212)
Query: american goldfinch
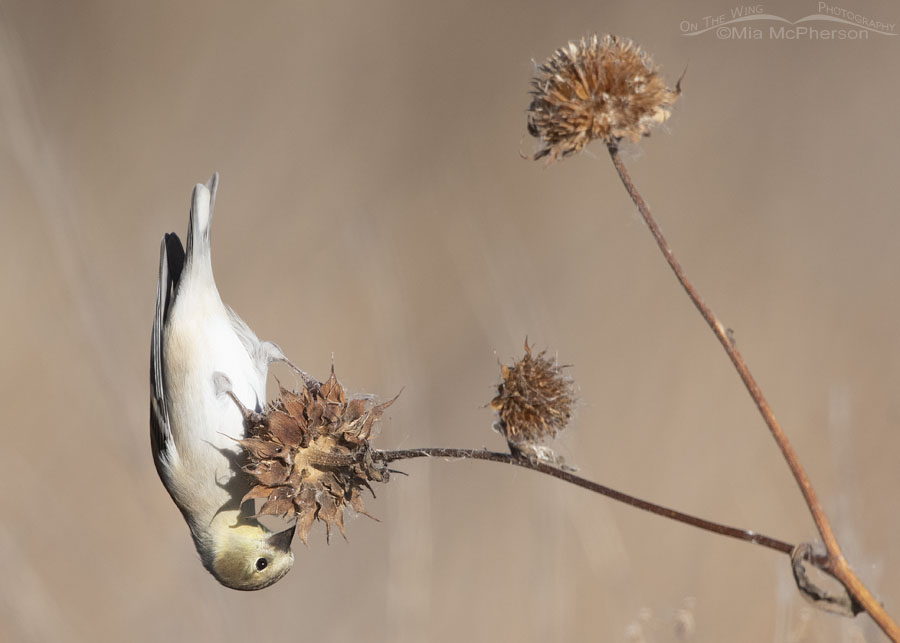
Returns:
(201,353)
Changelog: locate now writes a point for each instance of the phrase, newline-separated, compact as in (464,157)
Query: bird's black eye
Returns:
(261,564)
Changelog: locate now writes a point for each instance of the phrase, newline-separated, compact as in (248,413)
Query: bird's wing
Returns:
(171,263)
(248,338)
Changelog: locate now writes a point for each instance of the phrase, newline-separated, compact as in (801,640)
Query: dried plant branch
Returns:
(835,564)
(567,476)
(608,89)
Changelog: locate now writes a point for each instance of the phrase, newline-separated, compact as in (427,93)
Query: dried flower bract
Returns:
(308,454)
(599,88)
(534,400)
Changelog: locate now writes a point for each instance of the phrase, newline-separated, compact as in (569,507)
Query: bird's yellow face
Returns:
(250,557)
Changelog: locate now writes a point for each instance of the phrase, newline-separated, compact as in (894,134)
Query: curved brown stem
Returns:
(567,476)
(836,565)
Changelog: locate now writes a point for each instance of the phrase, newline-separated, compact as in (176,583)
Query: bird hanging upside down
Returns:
(202,354)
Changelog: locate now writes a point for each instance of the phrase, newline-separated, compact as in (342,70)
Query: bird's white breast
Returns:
(200,341)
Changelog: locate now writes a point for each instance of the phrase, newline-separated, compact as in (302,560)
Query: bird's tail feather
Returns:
(202,204)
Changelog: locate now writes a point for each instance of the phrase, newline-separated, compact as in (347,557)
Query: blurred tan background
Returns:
(374,208)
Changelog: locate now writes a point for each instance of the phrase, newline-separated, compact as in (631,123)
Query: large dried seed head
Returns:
(308,454)
(599,88)
(534,400)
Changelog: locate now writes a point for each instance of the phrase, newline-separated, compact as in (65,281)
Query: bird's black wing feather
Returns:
(171,263)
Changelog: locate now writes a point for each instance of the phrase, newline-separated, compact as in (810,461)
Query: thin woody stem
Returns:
(836,564)
(568,476)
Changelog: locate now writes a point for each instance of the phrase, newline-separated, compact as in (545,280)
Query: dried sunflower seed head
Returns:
(534,401)
(308,454)
(599,88)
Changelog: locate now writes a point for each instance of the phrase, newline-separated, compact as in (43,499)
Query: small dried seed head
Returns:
(599,88)
(534,400)
(308,454)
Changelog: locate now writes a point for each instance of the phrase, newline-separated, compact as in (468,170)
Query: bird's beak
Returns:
(282,540)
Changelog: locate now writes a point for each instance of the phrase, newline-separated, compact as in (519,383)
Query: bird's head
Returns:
(247,556)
